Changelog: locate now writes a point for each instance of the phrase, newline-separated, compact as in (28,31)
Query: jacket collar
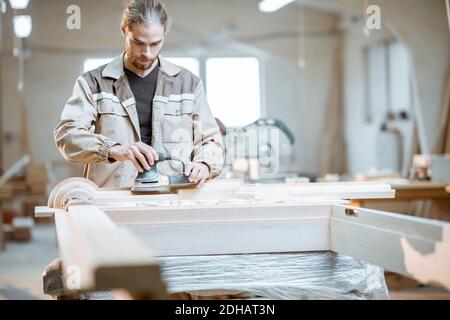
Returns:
(115,68)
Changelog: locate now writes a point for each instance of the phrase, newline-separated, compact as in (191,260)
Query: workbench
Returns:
(113,239)
(425,199)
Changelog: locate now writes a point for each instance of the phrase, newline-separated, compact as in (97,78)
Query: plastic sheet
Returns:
(303,276)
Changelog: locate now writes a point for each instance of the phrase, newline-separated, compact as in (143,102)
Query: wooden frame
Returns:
(232,218)
(414,247)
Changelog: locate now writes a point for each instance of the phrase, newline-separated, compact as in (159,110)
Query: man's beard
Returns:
(143,67)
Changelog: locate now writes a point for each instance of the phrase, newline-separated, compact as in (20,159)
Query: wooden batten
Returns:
(105,255)
(414,247)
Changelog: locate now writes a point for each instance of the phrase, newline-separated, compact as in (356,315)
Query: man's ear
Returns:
(123,29)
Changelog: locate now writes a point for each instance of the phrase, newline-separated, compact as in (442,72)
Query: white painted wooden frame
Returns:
(231,218)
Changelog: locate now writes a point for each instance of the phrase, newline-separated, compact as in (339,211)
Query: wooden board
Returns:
(98,255)
(234,237)
(45,212)
(414,190)
(222,190)
(414,247)
(216,193)
(421,190)
(179,231)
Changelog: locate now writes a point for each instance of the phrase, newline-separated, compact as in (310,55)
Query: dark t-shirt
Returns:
(144,91)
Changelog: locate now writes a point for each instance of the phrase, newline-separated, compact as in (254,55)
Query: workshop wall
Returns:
(422,27)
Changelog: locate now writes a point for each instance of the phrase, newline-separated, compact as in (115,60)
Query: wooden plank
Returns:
(216,189)
(418,295)
(234,236)
(426,193)
(45,212)
(5,193)
(412,190)
(180,231)
(410,225)
(218,213)
(323,191)
(102,255)
(268,192)
(414,247)
(14,169)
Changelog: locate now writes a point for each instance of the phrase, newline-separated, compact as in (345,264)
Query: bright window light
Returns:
(192,64)
(91,64)
(2,6)
(19,4)
(399,77)
(273,5)
(233,89)
(22,26)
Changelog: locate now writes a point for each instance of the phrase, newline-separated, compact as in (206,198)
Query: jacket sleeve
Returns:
(208,142)
(75,135)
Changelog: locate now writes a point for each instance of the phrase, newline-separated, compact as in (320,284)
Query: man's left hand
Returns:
(198,173)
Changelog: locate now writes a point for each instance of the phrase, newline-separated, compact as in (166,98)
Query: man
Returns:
(122,113)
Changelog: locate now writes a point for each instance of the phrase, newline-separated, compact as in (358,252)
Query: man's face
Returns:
(143,44)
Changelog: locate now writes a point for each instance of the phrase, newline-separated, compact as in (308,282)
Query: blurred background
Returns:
(356,100)
(352,99)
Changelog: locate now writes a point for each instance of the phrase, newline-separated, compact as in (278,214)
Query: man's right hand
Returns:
(141,155)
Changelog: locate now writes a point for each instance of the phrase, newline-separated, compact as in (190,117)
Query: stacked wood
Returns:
(11,210)
(18,187)
(22,229)
(7,232)
(37,179)
(5,193)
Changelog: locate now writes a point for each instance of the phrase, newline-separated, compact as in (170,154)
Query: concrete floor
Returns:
(21,265)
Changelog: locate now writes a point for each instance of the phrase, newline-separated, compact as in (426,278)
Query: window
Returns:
(233,90)
(378,84)
(91,64)
(232,85)
(389,101)
(399,76)
(389,74)
(192,64)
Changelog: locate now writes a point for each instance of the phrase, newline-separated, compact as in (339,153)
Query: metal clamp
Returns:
(350,212)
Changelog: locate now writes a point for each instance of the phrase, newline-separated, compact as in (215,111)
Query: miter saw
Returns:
(272,150)
(152,181)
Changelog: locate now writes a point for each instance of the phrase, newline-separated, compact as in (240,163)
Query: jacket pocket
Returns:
(113,121)
(110,107)
(177,126)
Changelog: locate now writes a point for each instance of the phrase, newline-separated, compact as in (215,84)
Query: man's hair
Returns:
(145,12)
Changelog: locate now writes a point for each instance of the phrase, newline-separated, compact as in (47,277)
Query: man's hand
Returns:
(197,173)
(141,155)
